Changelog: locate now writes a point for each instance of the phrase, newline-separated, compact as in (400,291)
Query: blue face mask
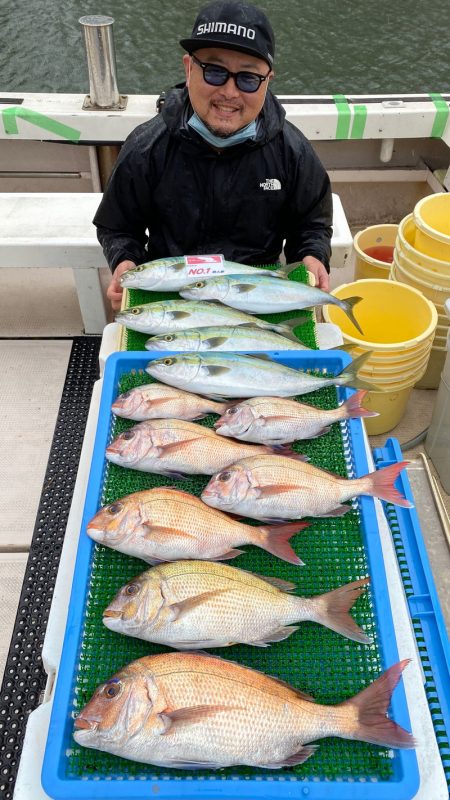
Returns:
(249,132)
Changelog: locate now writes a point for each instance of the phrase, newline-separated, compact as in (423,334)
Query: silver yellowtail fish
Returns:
(194,711)
(171,274)
(277,420)
(272,489)
(176,315)
(164,524)
(222,375)
(266,294)
(158,401)
(176,448)
(222,338)
(196,604)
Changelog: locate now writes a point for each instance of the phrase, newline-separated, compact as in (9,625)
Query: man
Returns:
(219,170)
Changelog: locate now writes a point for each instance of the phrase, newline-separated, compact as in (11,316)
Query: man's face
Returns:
(225,109)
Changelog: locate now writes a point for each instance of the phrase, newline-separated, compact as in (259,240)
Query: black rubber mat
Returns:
(25,678)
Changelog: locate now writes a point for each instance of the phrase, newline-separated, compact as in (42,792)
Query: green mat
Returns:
(314,659)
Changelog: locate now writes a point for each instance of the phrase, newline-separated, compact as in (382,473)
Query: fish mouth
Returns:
(83,725)
(111,613)
(96,533)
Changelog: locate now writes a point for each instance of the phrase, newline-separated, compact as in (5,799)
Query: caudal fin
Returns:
(353,406)
(371,704)
(347,306)
(349,375)
(275,539)
(331,609)
(383,484)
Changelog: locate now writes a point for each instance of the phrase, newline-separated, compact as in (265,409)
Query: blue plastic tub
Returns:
(404,780)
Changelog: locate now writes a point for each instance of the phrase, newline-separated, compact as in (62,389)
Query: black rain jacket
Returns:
(172,194)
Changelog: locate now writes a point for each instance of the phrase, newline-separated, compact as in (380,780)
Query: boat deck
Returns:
(37,331)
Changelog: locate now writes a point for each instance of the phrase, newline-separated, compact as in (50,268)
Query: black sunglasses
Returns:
(217,76)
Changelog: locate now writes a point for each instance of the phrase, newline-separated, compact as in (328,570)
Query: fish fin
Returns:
(383,484)
(347,306)
(349,375)
(281,488)
(215,369)
(244,288)
(215,341)
(284,586)
(183,606)
(187,716)
(230,554)
(353,407)
(178,267)
(168,473)
(160,529)
(296,758)
(191,764)
(287,451)
(175,447)
(337,512)
(331,609)
(179,314)
(275,636)
(260,357)
(371,704)
(276,541)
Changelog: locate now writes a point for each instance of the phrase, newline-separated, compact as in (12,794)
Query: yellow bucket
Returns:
(390,406)
(439,280)
(405,243)
(432,219)
(397,320)
(373,251)
(435,293)
(432,376)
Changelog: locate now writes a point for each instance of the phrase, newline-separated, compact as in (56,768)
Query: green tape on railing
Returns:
(10,115)
(441,117)
(359,122)
(344,116)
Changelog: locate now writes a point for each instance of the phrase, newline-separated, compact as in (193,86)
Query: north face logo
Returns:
(271,184)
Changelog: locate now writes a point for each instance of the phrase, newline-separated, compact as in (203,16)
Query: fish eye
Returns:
(200,284)
(139,269)
(232,411)
(132,589)
(168,362)
(112,689)
(114,508)
(128,435)
(136,310)
(169,338)
(224,476)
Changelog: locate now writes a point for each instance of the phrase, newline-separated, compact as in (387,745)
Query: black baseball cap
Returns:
(235,26)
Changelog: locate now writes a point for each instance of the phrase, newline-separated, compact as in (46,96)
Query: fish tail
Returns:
(275,539)
(382,484)
(371,705)
(287,328)
(353,406)
(347,306)
(349,376)
(331,609)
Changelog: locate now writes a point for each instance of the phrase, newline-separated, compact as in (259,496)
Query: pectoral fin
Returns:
(216,341)
(175,447)
(244,288)
(184,606)
(215,369)
(281,488)
(180,314)
(156,530)
(187,716)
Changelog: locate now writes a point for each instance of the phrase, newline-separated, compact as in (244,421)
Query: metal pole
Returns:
(98,37)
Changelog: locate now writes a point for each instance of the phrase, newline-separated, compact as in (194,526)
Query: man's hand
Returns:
(115,291)
(315,266)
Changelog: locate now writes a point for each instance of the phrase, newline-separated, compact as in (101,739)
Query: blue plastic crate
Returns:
(404,781)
